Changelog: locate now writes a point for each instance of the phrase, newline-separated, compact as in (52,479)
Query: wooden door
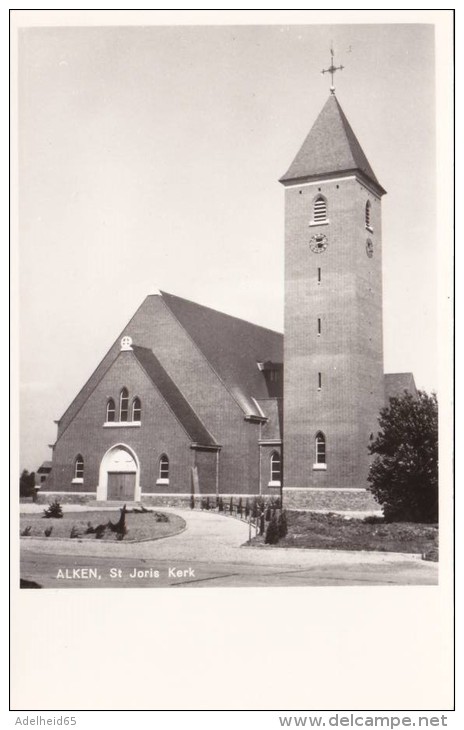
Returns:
(121,486)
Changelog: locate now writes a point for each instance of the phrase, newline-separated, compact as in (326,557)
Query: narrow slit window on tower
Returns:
(320,210)
(124,405)
(319,328)
(319,275)
(319,381)
(368,216)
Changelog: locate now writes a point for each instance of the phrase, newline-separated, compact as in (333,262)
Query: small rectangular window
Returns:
(319,276)
(319,326)
(319,380)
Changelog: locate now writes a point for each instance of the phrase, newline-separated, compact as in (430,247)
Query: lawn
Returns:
(335,532)
(147,525)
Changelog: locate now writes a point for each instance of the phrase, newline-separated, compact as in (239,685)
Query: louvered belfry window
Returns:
(320,210)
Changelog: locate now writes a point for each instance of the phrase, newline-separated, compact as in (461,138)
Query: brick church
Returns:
(189,399)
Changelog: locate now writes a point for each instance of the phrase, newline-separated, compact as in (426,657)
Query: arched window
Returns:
(164,468)
(320,448)
(124,405)
(136,409)
(110,411)
(368,215)
(276,469)
(79,467)
(320,210)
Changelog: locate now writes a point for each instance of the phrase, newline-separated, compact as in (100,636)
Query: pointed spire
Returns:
(331,148)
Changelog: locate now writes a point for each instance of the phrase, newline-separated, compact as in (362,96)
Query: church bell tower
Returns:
(333,353)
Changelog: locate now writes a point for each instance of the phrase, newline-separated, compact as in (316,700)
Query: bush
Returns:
(74,532)
(120,527)
(272,532)
(54,510)
(282,524)
(404,474)
(26,531)
(48,531)
(240,507)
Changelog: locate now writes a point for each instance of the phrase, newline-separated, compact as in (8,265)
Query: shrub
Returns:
(90,530)
(161,517)
(404,474)
(54,510)
(100,531)
(120,526)
(26,531)
(74,532)
(282,524)
(272,532)
(48,531)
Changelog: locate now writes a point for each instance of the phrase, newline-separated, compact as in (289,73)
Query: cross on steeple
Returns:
(331,70)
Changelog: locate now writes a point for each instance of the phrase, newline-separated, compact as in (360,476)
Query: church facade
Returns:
(191,400)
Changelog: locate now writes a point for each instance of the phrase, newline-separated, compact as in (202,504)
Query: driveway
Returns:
(210,553)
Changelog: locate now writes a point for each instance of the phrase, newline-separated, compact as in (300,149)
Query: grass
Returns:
(140,526)
(335,532)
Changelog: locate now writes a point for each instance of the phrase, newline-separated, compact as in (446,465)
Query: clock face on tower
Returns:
(318,243)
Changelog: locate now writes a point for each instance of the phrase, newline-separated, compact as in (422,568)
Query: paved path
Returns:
(210,553)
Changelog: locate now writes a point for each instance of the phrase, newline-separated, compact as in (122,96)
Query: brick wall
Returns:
(348,352)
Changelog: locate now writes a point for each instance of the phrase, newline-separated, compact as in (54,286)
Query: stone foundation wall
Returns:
(64,498)
(349,500)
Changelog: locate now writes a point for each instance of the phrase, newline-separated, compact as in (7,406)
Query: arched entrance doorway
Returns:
(119,475)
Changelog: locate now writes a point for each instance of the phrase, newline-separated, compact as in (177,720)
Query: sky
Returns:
(149,159)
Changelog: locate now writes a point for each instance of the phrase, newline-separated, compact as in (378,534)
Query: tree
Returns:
(272,532)
(26,483)
(404,474)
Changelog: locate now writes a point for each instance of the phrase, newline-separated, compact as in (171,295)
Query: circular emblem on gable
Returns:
(126,343)
(318,243)
(369,248)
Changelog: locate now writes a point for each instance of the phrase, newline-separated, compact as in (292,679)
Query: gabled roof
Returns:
(397,383)
(232,346)
(173,397)
(45,466)
(331,147)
